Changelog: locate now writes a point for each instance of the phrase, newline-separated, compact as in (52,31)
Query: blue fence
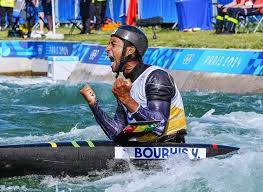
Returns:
(153,8)
(194,14)
(172,11)
(116,10)
(204,60)
(67,9)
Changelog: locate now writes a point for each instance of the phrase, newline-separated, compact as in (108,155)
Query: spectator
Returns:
(85,16)
(6,8)
(92,15)
(222,13)
(100,8)
(39,5)
(47,8)
(246,10)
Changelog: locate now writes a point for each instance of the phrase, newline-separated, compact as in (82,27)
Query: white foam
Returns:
(236,173)
(2,87)
(209,113)
(240,173)
(235,127)
(91,132)
(26,80)
(13,188)
(50,181)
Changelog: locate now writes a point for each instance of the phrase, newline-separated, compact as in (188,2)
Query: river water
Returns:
(40,110)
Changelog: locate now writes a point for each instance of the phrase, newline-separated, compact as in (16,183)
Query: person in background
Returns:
(222,13)
(100,9)
(146,93)
(6,8)
(47,8)
(247,10)
(85,16)
(38,4)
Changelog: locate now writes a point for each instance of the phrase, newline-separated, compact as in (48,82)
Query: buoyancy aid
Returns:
(177,119)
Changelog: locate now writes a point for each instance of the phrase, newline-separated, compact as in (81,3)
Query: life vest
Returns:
(177,119)
(7,3)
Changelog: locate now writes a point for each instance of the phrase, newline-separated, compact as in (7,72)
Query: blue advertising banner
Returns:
(208,60)
(95,55)
(204,60)
(39,49)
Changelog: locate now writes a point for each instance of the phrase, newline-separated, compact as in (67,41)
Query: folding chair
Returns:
(258,19)
(249,23)
(242,26)
(75,23)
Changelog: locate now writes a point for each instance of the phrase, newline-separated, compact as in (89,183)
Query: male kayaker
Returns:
(146,93)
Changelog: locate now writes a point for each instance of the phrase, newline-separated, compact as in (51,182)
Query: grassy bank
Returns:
(172,38)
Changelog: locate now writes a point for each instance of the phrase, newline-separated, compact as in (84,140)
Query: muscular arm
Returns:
(160,90)
(111,127)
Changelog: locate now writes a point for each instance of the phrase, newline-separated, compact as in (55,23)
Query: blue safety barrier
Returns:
(204,60)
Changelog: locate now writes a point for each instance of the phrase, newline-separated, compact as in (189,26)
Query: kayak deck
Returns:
(83,157)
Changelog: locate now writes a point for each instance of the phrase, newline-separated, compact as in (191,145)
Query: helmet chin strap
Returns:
(123,60)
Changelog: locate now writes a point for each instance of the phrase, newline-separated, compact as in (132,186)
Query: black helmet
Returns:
(134,35)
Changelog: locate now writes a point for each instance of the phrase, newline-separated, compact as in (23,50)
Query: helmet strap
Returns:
(123,59)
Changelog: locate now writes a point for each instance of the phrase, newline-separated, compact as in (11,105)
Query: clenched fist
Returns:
(121,89)
(88,94)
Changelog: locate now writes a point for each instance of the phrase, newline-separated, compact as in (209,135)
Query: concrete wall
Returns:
(218,82)
(185,80)
(23,66)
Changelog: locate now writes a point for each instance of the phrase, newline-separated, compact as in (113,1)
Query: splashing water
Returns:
(40,110)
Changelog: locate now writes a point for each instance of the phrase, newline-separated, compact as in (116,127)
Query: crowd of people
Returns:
(35,11)
(93,11)
(228,15)
(41,11)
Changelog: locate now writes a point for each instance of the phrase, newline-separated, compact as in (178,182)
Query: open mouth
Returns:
(111,58)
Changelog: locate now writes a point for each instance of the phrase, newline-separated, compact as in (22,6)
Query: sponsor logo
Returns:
(158,152)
